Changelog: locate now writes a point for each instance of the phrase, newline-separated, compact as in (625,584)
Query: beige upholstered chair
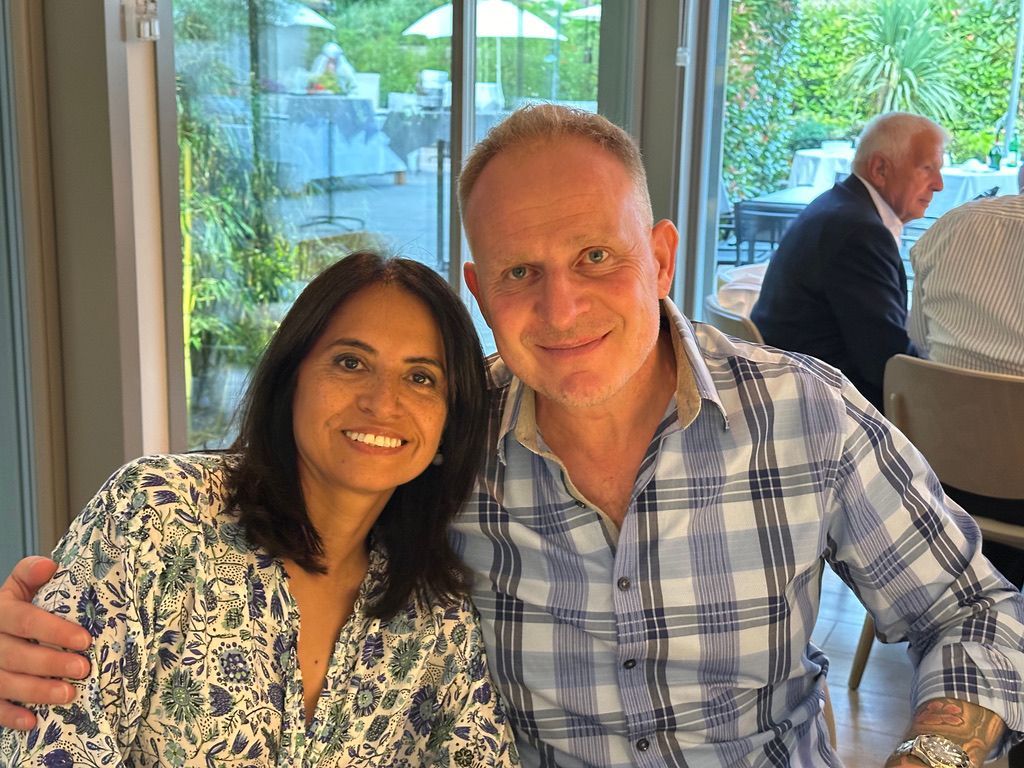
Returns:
(970,427)
(730,323)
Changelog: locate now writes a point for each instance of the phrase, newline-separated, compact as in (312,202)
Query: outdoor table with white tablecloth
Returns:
(409,130)
(962,183)
(818,167)
(325,136)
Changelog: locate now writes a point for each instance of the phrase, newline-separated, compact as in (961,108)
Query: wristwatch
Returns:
(935,751)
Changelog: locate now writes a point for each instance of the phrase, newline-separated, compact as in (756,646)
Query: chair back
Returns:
(729,322)
(968,424)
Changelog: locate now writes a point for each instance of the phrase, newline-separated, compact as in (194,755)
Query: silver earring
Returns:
(438,459)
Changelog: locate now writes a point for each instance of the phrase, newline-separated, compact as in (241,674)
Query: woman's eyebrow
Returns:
(415,359)
(346,342)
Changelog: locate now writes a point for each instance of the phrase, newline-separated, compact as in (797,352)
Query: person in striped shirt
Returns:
(658,501)
(968,305)
(968,311)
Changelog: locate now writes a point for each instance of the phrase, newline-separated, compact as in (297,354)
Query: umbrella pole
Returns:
(497,63)
(1011,114)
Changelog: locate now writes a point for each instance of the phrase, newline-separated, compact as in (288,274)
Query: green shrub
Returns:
(811,130)
(759,96)
(952,61)
(983,37)
(828,41)
(907,62)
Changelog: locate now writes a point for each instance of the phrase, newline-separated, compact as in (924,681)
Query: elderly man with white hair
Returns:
(836,288)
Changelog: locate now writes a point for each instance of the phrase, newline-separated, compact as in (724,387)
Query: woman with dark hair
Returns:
(294,601)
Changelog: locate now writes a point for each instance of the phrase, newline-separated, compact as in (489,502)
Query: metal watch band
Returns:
(935,751)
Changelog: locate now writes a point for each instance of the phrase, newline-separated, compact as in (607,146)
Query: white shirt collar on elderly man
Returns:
(889,218)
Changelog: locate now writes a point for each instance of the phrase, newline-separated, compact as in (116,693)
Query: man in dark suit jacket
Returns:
(836,287)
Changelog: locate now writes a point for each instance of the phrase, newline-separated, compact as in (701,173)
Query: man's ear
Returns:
(879,169)
(664,242)
(469,275)
(473,283)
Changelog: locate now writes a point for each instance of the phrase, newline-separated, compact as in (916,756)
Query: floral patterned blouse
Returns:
(194,660)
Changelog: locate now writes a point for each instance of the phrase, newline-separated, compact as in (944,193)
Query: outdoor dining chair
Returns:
(728,322)
(968,425)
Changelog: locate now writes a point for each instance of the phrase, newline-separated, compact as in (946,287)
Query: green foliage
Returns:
(983,36)
(208,19)
(235,269)
(829,38)
(952,61)
(759,95)
(811,130)
(907,62)
(370,32)
(971,144)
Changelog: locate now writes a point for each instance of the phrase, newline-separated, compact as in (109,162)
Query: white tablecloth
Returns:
(818,167)
(324,136)
(965,182)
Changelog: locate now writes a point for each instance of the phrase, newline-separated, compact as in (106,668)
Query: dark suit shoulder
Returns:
(842,220)
(844,206)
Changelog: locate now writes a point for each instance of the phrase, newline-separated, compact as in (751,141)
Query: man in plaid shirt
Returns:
(649,531)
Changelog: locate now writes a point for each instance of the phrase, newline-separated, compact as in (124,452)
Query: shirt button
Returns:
(643,745)
(581,504)
(624,583)
(629,663)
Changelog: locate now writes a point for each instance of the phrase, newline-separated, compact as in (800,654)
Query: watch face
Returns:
(943,752)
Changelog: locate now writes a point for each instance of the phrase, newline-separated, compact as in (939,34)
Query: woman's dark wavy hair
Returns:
(413,526)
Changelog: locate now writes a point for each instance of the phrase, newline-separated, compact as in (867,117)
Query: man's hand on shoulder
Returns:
(26,668)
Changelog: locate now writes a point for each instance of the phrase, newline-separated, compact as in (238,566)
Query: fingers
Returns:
(27,669)
(22,658)
(13,716)
(36,690)
(20,619)
(24,620)
(29,690)
(28,575)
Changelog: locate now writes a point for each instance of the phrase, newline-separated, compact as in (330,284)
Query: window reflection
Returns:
(308,130)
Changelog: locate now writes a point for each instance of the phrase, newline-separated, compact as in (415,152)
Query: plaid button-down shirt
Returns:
(684,637)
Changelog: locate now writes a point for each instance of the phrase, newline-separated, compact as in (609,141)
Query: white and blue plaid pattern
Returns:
(683,639)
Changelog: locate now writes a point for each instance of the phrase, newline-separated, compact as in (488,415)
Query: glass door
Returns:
(306,131)
(16,513)
(309,130)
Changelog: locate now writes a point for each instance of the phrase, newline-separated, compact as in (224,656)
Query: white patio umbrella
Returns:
(590,13)
(494,18)
(291,14)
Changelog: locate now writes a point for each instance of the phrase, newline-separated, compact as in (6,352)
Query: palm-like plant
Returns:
(908,63)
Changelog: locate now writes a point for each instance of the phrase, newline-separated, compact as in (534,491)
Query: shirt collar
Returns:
(693,386)
(889,218)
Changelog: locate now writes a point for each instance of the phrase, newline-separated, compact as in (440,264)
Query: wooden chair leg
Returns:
(860,656)
(830,718)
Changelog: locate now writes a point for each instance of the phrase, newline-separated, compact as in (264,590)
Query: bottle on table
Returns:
(1013,150)
(995,155)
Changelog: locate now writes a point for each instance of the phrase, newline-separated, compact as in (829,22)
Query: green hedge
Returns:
(788,79)
(759,95)
(985,35)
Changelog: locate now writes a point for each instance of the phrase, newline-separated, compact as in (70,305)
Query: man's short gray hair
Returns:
(890,135)
(547,122)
